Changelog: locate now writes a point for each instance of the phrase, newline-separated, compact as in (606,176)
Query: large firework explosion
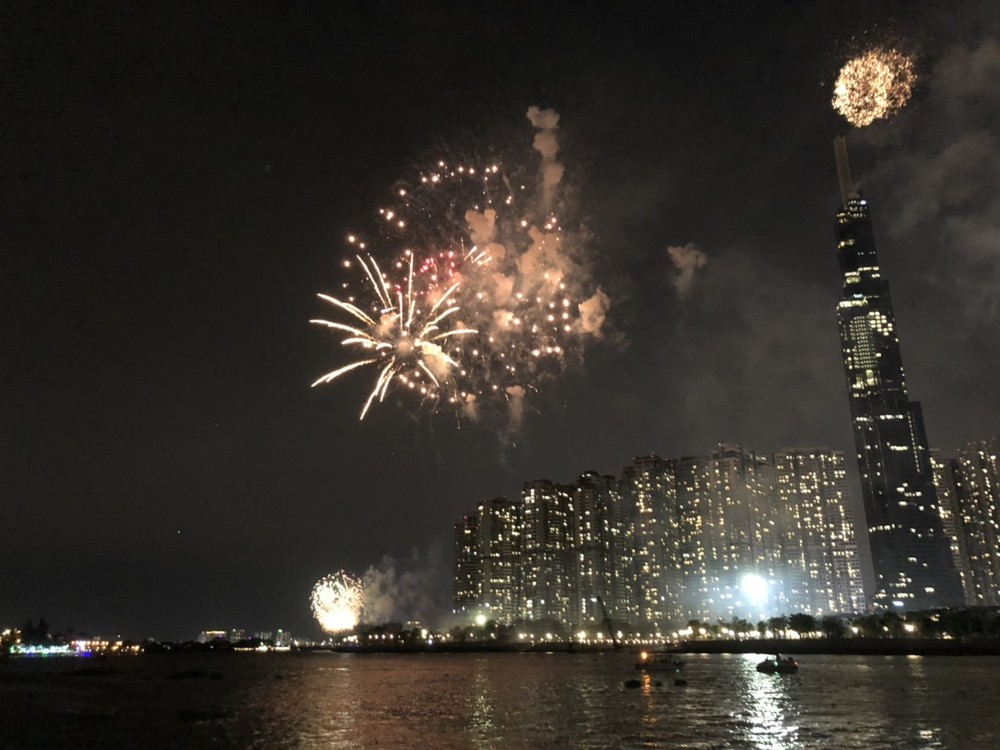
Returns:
(337,601)
(483,295)
(874,85)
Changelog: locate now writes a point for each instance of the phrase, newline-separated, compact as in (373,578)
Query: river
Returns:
(497,701)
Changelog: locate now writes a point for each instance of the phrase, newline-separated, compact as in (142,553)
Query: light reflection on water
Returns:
(767,701)
(500,701)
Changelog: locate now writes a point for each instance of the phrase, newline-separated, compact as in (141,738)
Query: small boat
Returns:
(659,661)
(778,664)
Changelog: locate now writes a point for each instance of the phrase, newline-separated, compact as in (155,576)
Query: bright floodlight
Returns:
(480,620)
(755,587)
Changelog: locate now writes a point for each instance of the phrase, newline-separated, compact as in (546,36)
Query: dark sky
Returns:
(177,182)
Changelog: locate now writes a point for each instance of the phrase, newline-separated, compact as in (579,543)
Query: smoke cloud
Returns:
(593,312)
(516,404)
(409,589)
(687,259)
(547,144)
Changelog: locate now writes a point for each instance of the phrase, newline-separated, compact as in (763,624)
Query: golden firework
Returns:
(874,85)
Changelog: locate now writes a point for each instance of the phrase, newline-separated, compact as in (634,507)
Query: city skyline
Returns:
(181,185)
(730,534)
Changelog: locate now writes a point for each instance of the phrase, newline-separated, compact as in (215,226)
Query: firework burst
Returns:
(873,86)
(491,293)
(337,601)
(402,338)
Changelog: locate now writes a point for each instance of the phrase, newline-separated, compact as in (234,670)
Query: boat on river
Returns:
(659,661)
(778,664)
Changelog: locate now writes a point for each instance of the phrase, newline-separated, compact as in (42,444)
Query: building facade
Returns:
(467,576)
(651,497)
(734,499)
(818,545)
(951,520)
(499,547)
(603,556)
(548,580)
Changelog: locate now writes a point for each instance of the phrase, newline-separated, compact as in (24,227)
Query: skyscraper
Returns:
(910,552)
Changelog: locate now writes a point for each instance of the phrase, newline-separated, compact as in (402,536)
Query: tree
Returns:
(802,623)
(892,625)
(778,625)
(870,626)
(833,627)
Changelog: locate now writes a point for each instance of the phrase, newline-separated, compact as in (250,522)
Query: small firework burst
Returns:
(337,601)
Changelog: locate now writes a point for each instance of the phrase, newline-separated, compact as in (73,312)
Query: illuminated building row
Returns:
(968,489)
(729,534)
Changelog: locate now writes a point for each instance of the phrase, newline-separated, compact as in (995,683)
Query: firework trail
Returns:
(874,85)
(487,294)
(337,601)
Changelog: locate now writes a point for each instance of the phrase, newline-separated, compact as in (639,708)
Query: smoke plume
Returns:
(410,589)
(687,260)
(547,144)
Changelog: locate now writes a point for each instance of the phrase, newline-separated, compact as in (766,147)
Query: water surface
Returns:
(497,701)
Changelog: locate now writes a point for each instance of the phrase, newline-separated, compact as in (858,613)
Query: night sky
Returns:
(177,183)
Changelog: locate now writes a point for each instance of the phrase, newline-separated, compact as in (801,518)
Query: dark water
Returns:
(497,701)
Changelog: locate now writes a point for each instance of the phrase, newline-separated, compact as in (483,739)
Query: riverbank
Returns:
(848,646)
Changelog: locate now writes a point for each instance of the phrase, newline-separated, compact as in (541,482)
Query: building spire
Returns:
(847,190)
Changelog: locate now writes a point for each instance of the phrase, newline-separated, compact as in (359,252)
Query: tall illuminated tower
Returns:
(910,551)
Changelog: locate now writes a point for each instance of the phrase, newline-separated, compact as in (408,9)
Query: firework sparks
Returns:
(337,601)
(873,86)
(493,293)
(402,338)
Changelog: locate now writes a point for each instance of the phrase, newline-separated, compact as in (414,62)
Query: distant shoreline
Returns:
(831,646)
(849,646)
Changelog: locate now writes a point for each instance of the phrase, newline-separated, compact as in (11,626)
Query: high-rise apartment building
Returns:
(977,481)
(738,536)
(500,525)
(815,523)
(911,554)
(947,503)
(649,486)
(548,561)
(603,557)
(467,577)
